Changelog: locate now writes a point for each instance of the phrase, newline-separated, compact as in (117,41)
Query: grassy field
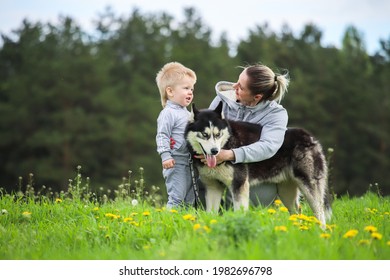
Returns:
(80,225)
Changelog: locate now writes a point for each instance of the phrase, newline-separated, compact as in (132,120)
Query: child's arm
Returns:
(165,123)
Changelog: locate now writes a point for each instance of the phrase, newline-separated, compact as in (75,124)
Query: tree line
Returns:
(69,98)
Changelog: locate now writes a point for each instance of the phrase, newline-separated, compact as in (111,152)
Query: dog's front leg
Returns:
(214,193)
(240,194)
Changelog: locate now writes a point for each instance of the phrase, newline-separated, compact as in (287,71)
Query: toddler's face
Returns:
(183,92)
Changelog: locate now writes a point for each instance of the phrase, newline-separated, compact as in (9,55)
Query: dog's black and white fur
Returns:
(299,167)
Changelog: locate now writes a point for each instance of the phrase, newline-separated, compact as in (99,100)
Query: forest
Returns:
(73,98)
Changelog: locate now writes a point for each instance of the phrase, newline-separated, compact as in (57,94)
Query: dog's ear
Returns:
(194,113)
(218,110)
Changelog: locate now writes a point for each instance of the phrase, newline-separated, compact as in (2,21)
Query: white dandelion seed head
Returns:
(134,202)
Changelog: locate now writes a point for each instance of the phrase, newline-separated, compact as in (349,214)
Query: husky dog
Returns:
(299,167)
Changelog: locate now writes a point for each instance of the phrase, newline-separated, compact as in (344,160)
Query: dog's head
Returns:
(207,132)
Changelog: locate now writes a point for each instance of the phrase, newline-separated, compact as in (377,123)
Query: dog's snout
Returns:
(214,151)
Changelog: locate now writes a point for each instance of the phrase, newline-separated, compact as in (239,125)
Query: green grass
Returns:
(71,227)
(117,230)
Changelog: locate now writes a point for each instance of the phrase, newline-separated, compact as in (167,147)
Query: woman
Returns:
(255,98)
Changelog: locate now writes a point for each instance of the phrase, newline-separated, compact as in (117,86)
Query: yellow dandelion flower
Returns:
(128,219)
(162,254)
(303,217)
(364,242)
(297,224)
(376,236)
(313,219)
(281,228)
(283,209)
(136,224)
(26,215)
(146,213)
(96,209)
(173,211)
(370,229)
(278,202)
(372,211)
(325,235)
(351,233)
(304,227)
(112,216)
(196,226)
(58,200)
(189,217)
(271,211)
(293,217)
(206,229)
(213,221)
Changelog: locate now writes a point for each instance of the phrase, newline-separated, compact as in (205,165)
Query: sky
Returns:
(235,17)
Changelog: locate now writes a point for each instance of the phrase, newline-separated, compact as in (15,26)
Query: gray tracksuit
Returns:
(171,123)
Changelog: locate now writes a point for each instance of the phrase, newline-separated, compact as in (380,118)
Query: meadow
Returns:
(129,223)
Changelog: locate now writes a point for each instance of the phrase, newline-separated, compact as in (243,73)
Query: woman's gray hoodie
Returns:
(269,114)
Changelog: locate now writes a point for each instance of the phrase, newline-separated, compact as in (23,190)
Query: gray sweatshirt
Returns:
(171,123)
(269,114)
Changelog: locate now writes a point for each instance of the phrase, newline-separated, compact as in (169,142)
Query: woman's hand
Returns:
(223,155)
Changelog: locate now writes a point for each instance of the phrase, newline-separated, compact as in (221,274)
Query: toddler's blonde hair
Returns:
(169,76)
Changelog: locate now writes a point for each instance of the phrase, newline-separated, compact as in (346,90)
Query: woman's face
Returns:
(243,94)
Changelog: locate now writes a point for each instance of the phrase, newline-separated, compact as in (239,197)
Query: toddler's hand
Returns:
(169,163)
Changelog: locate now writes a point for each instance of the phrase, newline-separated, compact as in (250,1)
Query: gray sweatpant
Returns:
(179,186)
